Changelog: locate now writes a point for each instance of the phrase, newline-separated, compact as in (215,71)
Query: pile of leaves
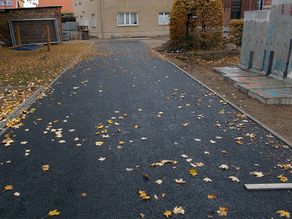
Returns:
(23,71)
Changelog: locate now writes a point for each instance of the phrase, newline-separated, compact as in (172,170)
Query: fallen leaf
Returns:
(100,126)
(121,142)
(8,187)
(185,124)
(101,158)
(184,156)
(180,181)
(99,143)
(224,167)
(55,212)
(155,197)
(143,195)
(110,122)
(222,211)
(23,142)
(178,210)
(83,194)
(239,140)
(159,181)
(146,176)
(163,162)
(211,196)
(136,126)
(207,179)
(17,194)
(257,174)
(142,216)
(233,178)
(283,213)
(129,169)
(167,214)
(46,167)
(282,178)
(193,172)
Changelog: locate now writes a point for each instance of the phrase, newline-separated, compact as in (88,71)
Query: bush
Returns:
(236,31)
(196,23)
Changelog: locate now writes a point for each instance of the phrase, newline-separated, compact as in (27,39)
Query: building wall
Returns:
(67,5)
(245,5)
(268,32)
(106,11)
(7,4)
(25,13)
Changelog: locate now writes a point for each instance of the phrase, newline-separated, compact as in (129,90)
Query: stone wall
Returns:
(28,13)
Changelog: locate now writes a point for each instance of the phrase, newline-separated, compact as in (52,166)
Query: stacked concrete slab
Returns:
(267,40)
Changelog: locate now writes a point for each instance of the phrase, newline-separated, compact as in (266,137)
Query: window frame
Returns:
(130,16)
(164,16)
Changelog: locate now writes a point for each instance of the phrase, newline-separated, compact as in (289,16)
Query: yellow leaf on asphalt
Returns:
(178,210)
(142,215)
(167,214)
(282,178)
(143,195)
(136,126)
(99,143)
(257,174)
(283,213)
(55,212)
(211,196)
(222,211)
(193,172)
(239,140)
(46,167)
(110,122)
(121,142)
(8,187)
(100,126)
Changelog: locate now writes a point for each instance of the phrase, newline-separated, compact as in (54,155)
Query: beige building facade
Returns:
(124,18)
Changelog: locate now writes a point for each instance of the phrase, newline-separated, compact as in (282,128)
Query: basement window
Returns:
(127,19)
(163,18)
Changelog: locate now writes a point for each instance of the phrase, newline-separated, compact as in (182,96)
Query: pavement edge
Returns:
(286,141)
(35,96)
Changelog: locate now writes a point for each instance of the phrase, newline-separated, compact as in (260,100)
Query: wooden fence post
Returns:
(18,37)
(48,37)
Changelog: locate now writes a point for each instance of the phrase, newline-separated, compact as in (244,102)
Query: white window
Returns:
(93,21)
(127,19)
(163,18)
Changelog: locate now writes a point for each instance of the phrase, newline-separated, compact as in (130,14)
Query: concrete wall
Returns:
(266,32)
(106,12)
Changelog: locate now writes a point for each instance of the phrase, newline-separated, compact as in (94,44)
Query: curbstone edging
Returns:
(286,141)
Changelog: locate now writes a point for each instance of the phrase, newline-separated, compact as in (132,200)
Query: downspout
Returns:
(101,18)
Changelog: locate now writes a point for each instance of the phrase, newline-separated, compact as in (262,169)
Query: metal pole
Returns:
(101,17)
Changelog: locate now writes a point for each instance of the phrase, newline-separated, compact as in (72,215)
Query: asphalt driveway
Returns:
(87,147)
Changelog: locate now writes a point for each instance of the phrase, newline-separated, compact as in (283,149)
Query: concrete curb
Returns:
(286,141)
(34,97)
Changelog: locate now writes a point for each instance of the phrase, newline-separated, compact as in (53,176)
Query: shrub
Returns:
(236,31)
(197,23)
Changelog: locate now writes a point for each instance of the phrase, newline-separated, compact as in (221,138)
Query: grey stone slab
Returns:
(272,95)
(234,72)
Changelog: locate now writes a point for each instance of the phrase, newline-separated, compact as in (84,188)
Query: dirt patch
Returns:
(277,117)
(22,72)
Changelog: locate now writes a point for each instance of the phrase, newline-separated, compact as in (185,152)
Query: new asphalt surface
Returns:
(156,113)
